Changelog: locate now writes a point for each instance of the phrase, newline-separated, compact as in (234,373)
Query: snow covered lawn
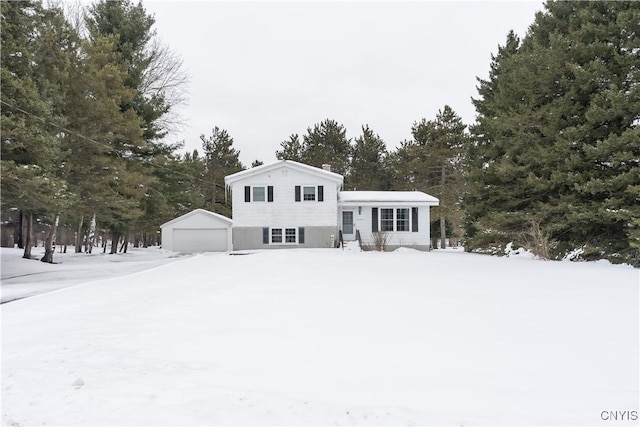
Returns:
(329,337)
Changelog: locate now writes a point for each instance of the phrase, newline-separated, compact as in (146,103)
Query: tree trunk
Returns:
(125,243)
(91,235)
(49,244)
(115,239)
(443,228)
(79,235)
(19,240)
(27,232)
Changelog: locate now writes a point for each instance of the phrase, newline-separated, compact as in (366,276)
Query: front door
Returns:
(347,225)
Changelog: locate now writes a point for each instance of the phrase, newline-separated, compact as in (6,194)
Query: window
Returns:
(402,219)
(390,219)
(308,193)
(386,219)
(258,194)
(275,236)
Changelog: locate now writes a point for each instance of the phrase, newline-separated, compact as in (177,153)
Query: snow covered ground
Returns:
(22,277)
(321,337)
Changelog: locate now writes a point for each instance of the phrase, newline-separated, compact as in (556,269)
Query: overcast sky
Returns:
(265,70)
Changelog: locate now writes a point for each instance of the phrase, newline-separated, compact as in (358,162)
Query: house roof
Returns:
(213,215)
(230,179)
(387,196)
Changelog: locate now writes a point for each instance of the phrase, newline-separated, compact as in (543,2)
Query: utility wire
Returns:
(93,141)
(45,121)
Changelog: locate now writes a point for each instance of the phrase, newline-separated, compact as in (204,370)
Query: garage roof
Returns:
(213,215)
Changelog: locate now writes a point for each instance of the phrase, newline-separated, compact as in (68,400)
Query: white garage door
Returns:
(200,239)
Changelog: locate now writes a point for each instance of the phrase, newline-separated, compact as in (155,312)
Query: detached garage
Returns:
(198,231)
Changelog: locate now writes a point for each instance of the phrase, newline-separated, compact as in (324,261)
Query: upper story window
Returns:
(258,193)
(309,193)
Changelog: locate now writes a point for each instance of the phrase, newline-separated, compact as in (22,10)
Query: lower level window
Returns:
(290,235)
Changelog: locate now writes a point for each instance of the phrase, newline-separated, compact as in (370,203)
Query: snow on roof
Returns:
(229,179)
(200,211)
(386,196)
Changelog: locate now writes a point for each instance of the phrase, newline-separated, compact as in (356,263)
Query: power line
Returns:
(45,121)
(93,141)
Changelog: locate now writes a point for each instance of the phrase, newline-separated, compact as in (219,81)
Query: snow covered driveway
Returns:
(329,337)
(22,278)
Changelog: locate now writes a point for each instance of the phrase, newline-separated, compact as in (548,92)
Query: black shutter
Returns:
(270,193)
(414,220)
(301,235)
(320,193)
(374,219)
(297,193)
(265,235)
(247,193)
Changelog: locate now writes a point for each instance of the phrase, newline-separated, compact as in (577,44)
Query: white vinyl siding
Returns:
(284,211)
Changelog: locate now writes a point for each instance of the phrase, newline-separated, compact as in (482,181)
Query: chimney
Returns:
(326,167)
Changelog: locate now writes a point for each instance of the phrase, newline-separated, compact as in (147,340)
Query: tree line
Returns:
(551,162)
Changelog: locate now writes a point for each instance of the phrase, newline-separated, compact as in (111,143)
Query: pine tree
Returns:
(557,136)
(37,47)
(113,184)
(437,160)
(131,28)
(327,143)
(220,160)
(291,149)
(367,170)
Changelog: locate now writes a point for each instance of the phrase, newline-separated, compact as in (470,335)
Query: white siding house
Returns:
(197,231)
(289,204)
(284,204)
(401,218)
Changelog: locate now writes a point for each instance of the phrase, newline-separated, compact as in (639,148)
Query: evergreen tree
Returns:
(37,47)
(220,160)
(153,71)
(113,183)
(327,143)
(291,149)
(437,160)
(367,170)
(557,140)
